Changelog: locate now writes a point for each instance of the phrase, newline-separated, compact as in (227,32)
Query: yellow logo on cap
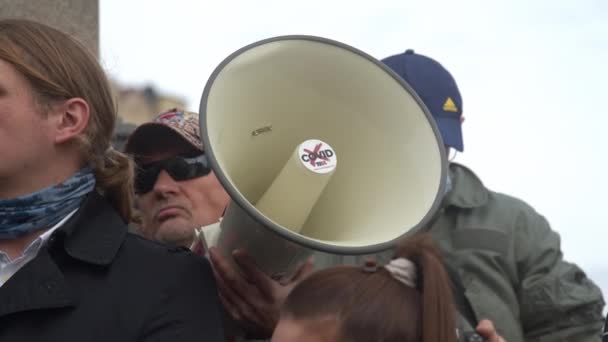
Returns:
(449,106)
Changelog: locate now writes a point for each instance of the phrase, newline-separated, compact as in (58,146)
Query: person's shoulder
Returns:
(494,198)
(170,289)
(510,202)
(499,207)
(511,211)
(155,257)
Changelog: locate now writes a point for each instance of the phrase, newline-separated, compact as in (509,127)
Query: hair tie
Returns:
(404,270)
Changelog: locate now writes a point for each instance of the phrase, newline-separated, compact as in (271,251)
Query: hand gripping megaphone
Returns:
(321,148)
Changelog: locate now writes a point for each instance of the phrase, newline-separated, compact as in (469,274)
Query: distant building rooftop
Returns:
(136,106)
(123,130)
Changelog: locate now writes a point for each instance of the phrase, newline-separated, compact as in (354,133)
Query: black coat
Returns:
(93,281)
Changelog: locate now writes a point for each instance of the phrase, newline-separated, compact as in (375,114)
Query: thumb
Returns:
(305,270)
(486,329)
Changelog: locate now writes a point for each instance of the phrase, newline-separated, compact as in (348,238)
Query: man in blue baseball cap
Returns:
(507,258)
(436,88)
(505,261)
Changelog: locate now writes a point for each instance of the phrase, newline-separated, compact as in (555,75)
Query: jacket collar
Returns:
(95,233)
(467,190)
(40,284)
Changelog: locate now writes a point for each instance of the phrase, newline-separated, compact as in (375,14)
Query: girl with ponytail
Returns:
(407,300)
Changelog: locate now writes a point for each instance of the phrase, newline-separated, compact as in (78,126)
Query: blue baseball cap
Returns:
(436,88)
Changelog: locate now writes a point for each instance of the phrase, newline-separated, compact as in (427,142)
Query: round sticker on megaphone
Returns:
(317,156)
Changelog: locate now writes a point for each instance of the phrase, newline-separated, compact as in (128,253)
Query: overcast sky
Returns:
(533,76)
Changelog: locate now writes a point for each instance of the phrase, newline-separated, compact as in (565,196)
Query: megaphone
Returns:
(321,147)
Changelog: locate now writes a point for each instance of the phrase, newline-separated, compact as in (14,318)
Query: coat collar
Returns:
(95,233)
(468,191)
(40,284)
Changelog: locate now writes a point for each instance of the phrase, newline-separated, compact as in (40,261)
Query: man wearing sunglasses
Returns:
(176,190)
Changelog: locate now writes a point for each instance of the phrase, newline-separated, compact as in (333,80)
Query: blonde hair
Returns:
(59,68)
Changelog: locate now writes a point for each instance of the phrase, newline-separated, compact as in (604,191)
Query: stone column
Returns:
(79,18)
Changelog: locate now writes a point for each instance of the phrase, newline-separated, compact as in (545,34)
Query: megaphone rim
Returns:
(250,209)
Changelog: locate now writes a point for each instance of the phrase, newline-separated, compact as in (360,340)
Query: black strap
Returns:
(462,302)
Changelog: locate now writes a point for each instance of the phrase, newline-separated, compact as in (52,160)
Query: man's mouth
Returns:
(168,213)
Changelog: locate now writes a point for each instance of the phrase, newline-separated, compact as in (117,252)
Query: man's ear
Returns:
(71,119)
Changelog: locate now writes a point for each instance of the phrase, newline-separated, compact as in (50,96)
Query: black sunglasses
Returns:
(179,168)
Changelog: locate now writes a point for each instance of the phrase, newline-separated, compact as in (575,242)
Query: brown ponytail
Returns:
(114,175)
(438,309)
(375,306)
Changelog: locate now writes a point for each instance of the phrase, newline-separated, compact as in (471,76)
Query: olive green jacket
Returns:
(510,264)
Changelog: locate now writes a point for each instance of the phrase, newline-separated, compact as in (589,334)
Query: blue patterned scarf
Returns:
(45,208)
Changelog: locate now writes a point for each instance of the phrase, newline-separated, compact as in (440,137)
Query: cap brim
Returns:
(451,131)
(150,136)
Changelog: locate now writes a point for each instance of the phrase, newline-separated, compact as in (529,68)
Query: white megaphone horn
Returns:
(321,147)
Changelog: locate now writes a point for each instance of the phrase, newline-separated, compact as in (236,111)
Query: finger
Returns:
(305,270)
(224,269)
(214,256)
(238,307)
(225,298)
(243,316)
(230,307)
(257,277)
(224,276)
(222,287)
(264,306)
(244,295)
(245,320)
(487,330)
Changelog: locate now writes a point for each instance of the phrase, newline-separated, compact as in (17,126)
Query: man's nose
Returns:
(165,184)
